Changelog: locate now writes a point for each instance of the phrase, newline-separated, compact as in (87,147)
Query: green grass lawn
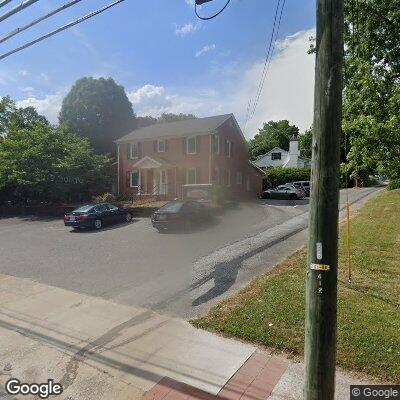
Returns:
(270,310)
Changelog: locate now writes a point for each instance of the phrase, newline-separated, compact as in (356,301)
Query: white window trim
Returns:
(276,152)
(195,145)
(131,147)
(239,178)
(158,145)
(195,176)
(229,144)
(130,181)
(216,141)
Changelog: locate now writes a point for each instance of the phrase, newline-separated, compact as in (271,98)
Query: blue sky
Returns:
(168,60)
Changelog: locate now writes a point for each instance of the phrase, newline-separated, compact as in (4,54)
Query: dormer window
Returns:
(276,156)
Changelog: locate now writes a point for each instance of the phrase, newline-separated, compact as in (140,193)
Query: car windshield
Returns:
(171,207)
(85,208)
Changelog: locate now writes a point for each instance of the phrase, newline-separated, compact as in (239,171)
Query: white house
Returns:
(278,157)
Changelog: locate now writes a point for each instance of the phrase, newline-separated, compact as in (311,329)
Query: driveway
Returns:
(181,274)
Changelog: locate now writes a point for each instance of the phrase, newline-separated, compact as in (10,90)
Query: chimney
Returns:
(293,152)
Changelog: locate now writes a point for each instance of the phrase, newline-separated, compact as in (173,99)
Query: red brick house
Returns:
(186,159)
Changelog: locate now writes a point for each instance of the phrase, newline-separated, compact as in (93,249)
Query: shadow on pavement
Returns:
(104,228)
(282,202)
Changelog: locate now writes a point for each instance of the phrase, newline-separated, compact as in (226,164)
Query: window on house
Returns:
(239,177)
(136,150)
(191,176)
(228,148)
(191,145)
(134,179)
(216,145)
(161,146)
(228,177)
(276,156)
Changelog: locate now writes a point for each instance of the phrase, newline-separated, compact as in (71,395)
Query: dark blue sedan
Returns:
(96,216)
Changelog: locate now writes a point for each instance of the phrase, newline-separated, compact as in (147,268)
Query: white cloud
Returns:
(207,48)
(185,29)
(23,72)
(49,105)
(288,88)
(29,89)
(287,92)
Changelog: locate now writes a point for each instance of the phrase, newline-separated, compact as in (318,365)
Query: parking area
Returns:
(134,264)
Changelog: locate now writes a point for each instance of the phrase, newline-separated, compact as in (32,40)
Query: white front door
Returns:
(163,181)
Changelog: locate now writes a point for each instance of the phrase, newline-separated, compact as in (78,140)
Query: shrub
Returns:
(279,176)
(104,198)
(394,184)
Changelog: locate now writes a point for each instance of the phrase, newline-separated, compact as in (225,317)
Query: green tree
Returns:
(272,134)
(99,110)
(371,106)
(50,163)
(165,117)
(13,117)
(305,143)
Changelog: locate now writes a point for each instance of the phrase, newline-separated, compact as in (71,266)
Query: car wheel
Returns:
(128,217)
(292,197)
(266,196)
(97,224)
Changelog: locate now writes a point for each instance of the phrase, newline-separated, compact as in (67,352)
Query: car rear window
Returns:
(171,207)
(85,208)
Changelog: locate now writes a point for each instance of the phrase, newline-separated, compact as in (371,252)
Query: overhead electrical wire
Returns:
(4,3)
(14,32)
(212,16)
(60,29)
(16,9)
(271,48)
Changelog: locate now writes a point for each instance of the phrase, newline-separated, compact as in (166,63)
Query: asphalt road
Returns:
(181,274)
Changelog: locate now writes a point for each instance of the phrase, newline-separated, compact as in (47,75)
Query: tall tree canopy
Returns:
(13,117)
(305,143)
(50,163)
(165,117)
(272,134)
(371,112)
(99,110)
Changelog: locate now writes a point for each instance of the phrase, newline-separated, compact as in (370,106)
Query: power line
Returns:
(269,62)
(4,3)
(253,104)
(14,32)
(62,28)
(212,16)
(16,9)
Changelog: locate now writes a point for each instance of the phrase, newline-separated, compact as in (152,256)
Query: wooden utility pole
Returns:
(321,291)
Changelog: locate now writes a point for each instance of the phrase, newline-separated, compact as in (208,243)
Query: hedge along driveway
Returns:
(278,175)
(270,311)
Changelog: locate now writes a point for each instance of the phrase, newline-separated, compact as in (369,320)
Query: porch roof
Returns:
(152,162)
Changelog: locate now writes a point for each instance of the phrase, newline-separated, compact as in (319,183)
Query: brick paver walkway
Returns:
(255,380)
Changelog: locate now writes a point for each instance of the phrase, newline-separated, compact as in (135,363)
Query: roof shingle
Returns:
(188,127)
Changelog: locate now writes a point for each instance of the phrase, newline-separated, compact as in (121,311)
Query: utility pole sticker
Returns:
(319,251)
(320,267)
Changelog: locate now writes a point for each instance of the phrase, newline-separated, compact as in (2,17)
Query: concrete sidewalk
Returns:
(98,349)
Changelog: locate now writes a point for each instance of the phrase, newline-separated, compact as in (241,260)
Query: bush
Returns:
(104,198)
(279,176)
(394,184)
